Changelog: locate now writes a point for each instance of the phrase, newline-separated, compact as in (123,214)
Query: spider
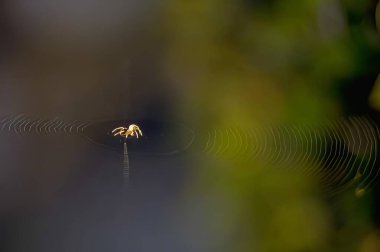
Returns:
(132,130)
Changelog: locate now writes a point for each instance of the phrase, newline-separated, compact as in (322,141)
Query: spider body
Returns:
(133,130)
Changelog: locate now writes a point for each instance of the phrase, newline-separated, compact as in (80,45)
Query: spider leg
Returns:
(119,128)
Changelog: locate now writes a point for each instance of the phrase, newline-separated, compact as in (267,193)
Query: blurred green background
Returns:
(250,62)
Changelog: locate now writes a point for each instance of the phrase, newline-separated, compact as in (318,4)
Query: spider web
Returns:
(341,154)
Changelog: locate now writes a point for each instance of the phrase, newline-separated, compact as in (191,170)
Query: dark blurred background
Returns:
(204,63)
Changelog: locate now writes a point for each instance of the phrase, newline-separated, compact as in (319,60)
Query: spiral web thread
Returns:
(22,124)
(341,154)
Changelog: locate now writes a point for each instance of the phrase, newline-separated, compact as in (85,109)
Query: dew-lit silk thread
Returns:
(125,163)
(341,153)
